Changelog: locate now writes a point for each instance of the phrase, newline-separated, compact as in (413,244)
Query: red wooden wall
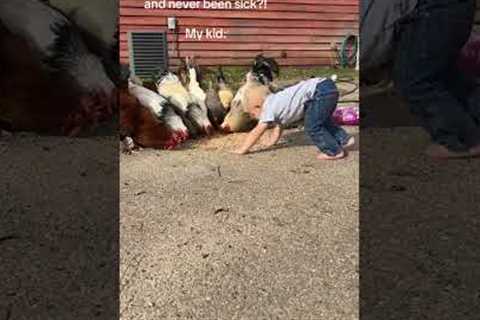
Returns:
(295,32)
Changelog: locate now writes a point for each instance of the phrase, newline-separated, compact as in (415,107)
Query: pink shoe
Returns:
(349,116)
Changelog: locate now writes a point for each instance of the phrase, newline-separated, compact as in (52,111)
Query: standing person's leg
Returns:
(429,44)
(318,113)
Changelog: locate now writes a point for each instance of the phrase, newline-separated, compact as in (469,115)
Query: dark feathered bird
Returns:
(264,69)
(216,111)
(182,73)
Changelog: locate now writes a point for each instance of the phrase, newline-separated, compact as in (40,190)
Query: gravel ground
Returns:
(419,227)
(206,234)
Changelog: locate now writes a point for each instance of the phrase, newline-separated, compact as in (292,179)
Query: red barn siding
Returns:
(295,32)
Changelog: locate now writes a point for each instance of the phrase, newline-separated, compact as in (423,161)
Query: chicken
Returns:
(128,145)
(170,87)
(224,92)
(160,107)
(199,98)
(140,125)
(252,93)
(54,56)
(182,73)
(237,120)
(264,69)
(146,97)
(216,111)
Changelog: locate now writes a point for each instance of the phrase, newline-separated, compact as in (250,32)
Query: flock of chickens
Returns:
(177,107)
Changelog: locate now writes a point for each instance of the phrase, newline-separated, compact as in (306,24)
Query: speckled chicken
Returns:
(258,84)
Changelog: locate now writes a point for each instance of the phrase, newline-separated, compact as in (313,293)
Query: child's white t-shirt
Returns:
(287,106)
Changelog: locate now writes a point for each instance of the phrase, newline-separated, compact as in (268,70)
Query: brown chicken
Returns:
(142,125)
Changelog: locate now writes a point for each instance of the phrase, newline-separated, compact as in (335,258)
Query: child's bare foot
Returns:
(350,143)
(323,156)
(438,151)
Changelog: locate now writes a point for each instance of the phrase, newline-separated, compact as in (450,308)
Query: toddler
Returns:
(313,100)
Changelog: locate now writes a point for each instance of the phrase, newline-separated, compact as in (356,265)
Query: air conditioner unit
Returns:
(148,53)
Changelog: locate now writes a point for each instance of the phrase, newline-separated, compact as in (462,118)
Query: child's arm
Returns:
(252,138)
(275,135)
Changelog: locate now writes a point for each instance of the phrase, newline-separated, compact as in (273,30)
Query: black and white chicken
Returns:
(257,86)
(170,87)
(161,108)
(264,69)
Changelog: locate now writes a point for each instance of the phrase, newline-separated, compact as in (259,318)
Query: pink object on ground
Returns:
(349,116)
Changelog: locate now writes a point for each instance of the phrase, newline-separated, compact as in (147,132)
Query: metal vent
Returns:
(148,52)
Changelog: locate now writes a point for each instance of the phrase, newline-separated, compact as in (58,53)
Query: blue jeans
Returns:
(425,72)
(319,125)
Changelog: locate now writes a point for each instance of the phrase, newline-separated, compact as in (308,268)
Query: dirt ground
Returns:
(206,234)
(418,229)
(58,227)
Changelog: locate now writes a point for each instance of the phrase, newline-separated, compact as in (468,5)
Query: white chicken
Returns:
(146,97)
(176,124)
(199,97)
(170,87)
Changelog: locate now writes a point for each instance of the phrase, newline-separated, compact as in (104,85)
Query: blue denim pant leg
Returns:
(319,125)
(428,45)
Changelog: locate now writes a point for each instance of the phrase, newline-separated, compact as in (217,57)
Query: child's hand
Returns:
(252,138)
